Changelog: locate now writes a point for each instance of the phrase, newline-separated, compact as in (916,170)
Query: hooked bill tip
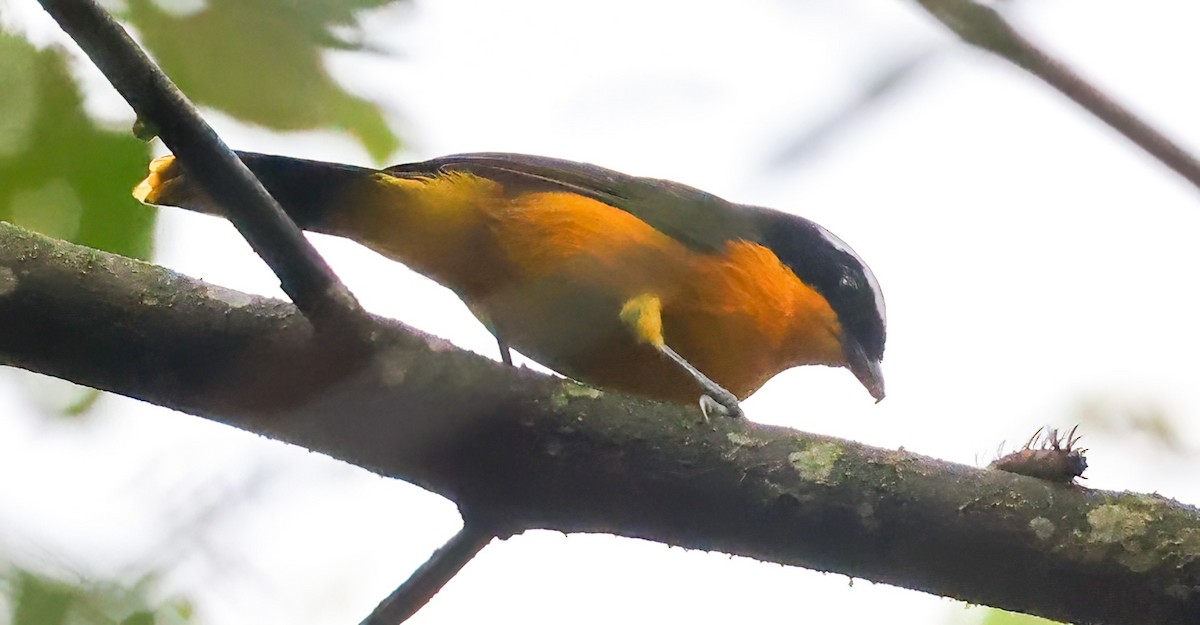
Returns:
(871,377)
(864,367)
(877,392)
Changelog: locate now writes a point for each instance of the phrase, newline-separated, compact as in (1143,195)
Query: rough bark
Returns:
(522,450)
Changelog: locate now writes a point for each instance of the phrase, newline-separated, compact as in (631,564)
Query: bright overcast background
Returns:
(1038,268)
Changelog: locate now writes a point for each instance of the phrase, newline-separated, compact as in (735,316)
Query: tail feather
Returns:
(307,190)
(438,225)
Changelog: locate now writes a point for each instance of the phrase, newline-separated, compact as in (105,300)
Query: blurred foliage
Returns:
(1123,416)
(60,172)
(807,141)
(66,175)
(261,61)
(36,599)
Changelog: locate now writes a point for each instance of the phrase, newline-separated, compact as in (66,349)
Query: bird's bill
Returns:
(866,369)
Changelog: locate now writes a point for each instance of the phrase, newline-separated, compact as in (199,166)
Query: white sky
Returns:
(1030,257)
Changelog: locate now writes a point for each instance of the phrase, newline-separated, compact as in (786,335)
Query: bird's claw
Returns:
(725,406)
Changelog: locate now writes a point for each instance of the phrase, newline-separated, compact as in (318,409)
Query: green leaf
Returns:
(40,601)
(141,617)
(60,173)
(262,62)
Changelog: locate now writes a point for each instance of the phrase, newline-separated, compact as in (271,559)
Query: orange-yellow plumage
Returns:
(524,262)
(565,278)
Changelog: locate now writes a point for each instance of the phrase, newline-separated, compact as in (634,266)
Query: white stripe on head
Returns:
(871,281)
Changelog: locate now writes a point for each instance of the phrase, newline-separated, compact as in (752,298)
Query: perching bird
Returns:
(634,284)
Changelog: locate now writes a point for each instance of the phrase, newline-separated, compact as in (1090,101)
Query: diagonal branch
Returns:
(521,450)
(303,274)
(983,27)
(427,580)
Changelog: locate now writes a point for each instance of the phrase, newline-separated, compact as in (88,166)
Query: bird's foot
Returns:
(724,405)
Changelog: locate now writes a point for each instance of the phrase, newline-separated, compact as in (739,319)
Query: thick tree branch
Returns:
(303,274)
(981,26)
(521,450)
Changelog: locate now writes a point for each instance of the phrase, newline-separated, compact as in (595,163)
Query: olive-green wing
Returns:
(702,221)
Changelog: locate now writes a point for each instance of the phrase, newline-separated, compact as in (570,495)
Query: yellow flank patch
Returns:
(643,315)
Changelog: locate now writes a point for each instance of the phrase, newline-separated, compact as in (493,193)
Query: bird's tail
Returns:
(436,224)
(307,190)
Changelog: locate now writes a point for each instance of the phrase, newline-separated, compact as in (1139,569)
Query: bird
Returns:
(637,285)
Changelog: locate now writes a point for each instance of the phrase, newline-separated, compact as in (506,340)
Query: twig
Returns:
(303,274)
(983,27)
(427,580)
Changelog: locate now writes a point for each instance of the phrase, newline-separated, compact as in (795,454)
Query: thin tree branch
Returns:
(303,274)
(427,580)
(983,27)
(522,450)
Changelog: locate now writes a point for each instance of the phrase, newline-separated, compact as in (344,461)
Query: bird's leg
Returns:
(716,398)
(505,352)
(643,316)
(481,313)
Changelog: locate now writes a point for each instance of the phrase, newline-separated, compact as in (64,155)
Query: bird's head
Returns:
(829,266)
